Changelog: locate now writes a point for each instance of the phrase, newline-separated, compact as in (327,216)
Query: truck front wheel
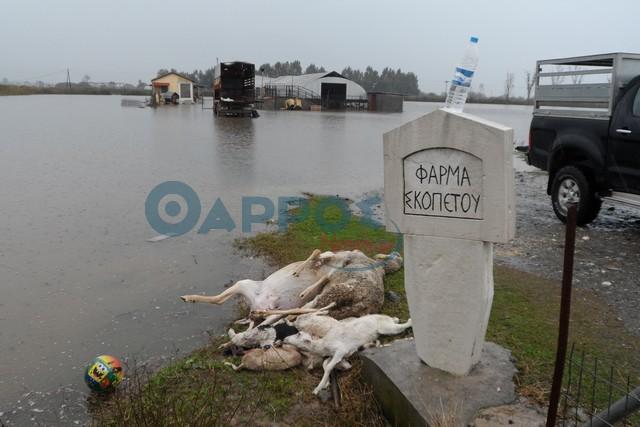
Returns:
(570,184)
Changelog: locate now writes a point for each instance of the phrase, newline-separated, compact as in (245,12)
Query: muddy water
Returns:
(77,275)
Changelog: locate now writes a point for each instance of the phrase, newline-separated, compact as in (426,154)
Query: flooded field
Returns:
(79,277)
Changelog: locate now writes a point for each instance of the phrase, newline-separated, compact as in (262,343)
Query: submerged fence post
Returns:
(565,311)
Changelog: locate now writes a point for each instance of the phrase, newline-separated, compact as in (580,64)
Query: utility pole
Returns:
(68,80)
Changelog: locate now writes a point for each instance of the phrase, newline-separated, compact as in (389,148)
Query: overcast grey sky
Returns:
(129,40)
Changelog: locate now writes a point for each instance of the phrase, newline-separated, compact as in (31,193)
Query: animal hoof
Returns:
(324,395)
(187,298)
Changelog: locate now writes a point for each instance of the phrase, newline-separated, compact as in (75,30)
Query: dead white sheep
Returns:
(350,279)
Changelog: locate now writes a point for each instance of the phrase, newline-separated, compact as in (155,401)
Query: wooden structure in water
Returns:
(234,89)
(173,88)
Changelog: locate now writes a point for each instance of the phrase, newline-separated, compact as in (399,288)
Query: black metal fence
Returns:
(287,91)
(597,393)
(585,391)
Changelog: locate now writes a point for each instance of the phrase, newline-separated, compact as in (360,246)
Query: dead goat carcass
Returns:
(318,336)
(269,359)
(350,279)
(341,338)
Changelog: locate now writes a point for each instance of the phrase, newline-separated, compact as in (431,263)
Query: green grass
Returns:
(201,390)
(524,319)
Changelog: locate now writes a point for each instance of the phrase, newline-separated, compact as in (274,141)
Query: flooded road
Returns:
(78,276)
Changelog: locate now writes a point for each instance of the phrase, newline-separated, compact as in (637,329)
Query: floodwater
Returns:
(78,276)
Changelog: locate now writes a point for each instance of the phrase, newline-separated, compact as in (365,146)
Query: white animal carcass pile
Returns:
(318,311)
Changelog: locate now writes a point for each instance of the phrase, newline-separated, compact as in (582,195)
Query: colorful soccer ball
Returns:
(103,374)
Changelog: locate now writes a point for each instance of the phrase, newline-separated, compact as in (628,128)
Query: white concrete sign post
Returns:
(449,188)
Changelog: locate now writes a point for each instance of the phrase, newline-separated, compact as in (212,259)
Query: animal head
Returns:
(391,263)
(302,341)
(255,337)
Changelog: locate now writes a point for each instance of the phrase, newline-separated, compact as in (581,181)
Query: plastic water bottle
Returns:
(461,83)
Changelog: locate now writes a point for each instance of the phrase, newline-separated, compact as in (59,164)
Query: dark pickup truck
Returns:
(585,131)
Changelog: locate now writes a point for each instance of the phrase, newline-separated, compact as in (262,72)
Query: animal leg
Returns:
(391,328)
(312,360)
(316,288)
(282,313)
(314,304)
(344,365)
(243,287)
(372,344)
(230,333)
(271,319)
(294,311)
(201,298)
(274,316)
(328,367)
(313,257)
(234,367)
(311,304)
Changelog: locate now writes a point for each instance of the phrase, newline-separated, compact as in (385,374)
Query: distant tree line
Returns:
(293,68)
(477,94)
(388,80)
(473,98)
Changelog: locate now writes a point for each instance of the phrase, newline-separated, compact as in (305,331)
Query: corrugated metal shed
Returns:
(313,82)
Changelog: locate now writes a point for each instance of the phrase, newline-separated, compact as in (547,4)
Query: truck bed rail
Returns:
(593,84)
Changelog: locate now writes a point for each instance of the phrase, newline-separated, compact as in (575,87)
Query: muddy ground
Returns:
(607,250)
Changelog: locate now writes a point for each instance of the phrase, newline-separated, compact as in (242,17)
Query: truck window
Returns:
(636,104)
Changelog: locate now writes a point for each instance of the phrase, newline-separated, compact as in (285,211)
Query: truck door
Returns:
(624,144)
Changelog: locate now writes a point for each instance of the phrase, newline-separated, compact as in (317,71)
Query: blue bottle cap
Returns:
(474,39)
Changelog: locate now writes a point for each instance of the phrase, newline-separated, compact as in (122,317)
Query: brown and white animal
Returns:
(269,359)
(350,279)
(261,336)
(270,336)
(338,339)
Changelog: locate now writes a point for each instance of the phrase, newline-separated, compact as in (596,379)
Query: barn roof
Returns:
(299,80)
(172,72)
(313,81)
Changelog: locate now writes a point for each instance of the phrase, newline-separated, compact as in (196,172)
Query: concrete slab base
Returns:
(520,413)
(414,394)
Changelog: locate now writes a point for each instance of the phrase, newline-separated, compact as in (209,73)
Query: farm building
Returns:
(331,90)
(385,102)
(173,88)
